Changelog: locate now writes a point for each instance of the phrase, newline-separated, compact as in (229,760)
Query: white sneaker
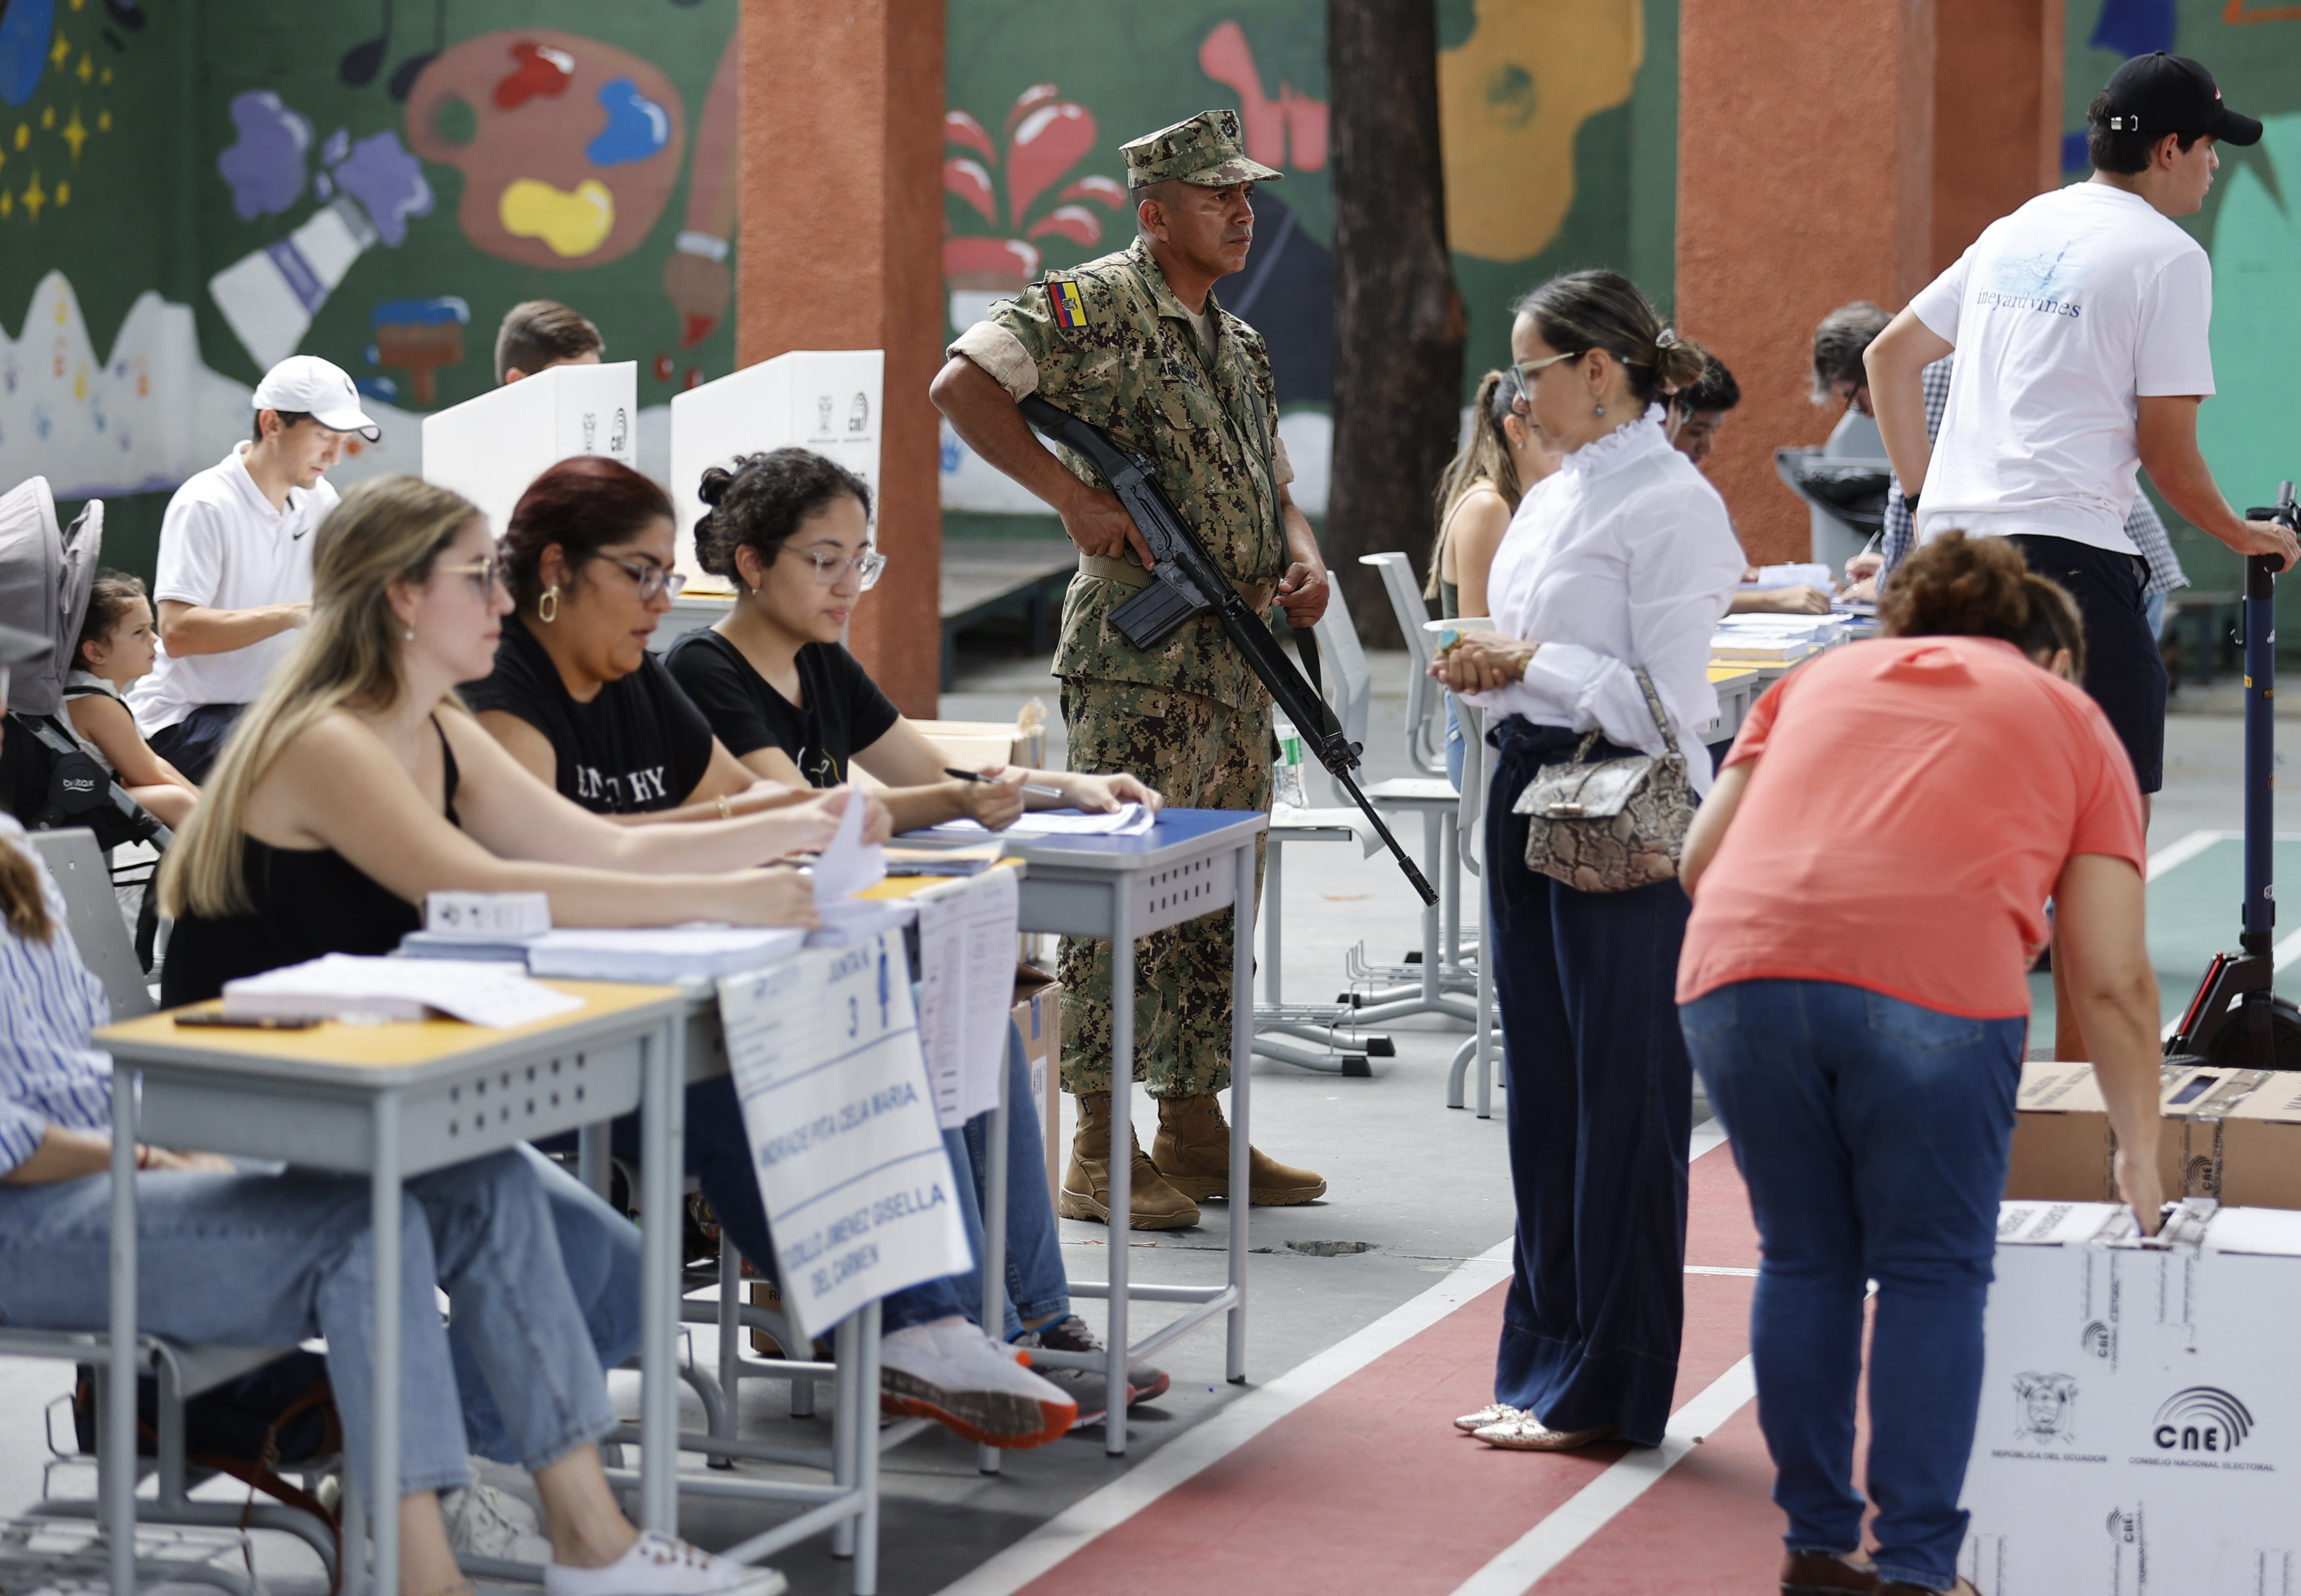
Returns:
(658,1565)
(950,1372)
(483,1522)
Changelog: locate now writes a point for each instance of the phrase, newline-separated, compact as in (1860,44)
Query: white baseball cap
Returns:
(318,388)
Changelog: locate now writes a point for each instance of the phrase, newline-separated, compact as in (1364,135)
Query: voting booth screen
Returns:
(492,448)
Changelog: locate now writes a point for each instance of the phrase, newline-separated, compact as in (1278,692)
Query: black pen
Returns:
(1031,788)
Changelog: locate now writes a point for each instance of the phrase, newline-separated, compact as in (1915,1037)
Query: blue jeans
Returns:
(1036,1284)
(1600,1109)
(270,1260)
(601,1251)
(1873,1134)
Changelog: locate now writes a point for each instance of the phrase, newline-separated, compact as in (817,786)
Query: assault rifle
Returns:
(1185,582)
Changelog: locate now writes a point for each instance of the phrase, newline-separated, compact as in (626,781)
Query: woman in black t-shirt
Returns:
(575,696)
(793,531)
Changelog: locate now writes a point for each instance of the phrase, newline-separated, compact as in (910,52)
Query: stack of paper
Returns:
(848,866)
(1128,820)
(942,861)
(342,985)
(660,953)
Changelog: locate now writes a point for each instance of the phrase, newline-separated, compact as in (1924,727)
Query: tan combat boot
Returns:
(1192,1151)
(1086,1183)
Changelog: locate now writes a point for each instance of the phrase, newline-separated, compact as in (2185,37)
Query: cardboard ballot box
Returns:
(1039,1018)
(2140,1429)
(2234,1135)
(828,400)
(492,448)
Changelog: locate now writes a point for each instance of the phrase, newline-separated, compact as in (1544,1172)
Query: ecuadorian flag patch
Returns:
(1070,305)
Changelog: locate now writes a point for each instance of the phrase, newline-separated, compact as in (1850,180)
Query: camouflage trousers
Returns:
(1200,755)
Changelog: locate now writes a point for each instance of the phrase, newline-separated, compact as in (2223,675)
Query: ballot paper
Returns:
(338,985)
(967,989)
(659,953)
(1128,820)
(851,1164)
(849,864)
(1772,577)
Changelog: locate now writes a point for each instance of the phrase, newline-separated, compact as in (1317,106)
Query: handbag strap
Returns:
(1661,715)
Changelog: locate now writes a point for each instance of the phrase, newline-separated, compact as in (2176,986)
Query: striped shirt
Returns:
(2141,524)
(50,1073)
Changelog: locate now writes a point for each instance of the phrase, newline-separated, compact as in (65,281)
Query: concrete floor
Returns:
(1427,1186)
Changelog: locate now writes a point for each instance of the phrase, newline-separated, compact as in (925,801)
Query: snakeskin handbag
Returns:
(1612,825)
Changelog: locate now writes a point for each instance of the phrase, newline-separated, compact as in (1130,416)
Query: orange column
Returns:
(1997,113)
(1805,179)
(841,229)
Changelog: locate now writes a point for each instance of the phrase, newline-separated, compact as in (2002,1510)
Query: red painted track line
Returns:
(1368,1487)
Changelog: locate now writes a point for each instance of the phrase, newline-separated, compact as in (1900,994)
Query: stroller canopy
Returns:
(45,573)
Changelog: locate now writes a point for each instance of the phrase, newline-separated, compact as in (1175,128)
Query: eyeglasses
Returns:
(829,568)
(485,573)
(652,580)
(1524,372)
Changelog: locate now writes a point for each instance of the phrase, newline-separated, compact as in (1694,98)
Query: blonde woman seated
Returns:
(357,783)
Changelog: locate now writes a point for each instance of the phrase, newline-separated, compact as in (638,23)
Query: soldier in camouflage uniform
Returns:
(1136,343)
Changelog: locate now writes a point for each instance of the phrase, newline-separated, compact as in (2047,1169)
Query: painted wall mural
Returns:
(188,195)
(1560,142)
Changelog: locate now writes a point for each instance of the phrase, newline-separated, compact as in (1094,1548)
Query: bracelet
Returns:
(726,810)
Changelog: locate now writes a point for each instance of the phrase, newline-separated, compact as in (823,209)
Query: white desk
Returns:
(392,1101)
(1194,862)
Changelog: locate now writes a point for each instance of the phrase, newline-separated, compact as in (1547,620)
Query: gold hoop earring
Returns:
(547,608)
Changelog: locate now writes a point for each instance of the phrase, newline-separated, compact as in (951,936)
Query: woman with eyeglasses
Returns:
(1618,566)
(793,531)
(575,696)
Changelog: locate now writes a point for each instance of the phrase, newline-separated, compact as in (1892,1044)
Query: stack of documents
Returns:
(660,953)
(343,985)
(1128,820)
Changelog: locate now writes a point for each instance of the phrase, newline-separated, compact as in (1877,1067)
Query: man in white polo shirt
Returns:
(235,576)
(2080,323)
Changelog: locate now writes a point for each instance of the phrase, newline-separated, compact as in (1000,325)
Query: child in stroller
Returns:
(115,646)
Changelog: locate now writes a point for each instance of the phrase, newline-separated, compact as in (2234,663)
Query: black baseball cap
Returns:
(2160,94)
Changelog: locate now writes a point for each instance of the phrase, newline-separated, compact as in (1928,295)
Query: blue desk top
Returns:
(1177,834)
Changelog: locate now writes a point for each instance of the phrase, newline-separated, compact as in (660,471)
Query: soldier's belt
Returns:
(1258,595)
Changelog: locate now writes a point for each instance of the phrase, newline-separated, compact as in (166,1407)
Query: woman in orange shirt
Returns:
(1860,1031)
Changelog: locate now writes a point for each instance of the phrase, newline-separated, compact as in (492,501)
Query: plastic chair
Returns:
(1403,989)
(92,914)
(1425,700)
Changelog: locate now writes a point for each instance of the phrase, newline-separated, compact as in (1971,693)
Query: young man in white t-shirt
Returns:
(2079,322)
(234,575)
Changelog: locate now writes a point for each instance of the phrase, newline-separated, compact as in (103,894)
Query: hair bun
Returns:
(713,487)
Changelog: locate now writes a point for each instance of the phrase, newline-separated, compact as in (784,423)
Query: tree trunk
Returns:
(1399,326)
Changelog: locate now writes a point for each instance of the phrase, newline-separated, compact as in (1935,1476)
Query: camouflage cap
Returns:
(1202,149)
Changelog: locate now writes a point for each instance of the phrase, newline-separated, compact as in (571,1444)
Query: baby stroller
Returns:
(46,778)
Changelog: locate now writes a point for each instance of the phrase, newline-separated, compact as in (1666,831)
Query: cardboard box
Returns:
(2137,1431)
(2062,1145)
(2258,1116)
(1039,1018)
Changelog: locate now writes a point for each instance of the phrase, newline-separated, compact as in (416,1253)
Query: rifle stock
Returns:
(1185,582)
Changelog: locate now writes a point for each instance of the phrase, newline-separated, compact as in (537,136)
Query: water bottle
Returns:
(1286,774)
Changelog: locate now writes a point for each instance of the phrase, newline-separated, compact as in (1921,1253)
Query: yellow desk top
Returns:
(1720,671)
(392,1044)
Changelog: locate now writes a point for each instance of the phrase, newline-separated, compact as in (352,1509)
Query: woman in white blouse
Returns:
(1623,559)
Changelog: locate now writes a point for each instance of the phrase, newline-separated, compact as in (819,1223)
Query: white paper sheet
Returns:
(481,993)
(850,1162)
(967,986)
(1128,820)
(659,953)
(849,863)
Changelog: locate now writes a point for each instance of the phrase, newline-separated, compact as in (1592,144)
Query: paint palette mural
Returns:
(568,146)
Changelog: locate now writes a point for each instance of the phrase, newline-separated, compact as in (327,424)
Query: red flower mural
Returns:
(1045,137)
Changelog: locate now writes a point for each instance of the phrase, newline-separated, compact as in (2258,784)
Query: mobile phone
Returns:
(215,1019)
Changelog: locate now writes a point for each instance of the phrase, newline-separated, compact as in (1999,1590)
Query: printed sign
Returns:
(841,1123)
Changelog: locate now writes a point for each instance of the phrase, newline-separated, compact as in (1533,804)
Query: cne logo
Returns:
(2204,1418)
